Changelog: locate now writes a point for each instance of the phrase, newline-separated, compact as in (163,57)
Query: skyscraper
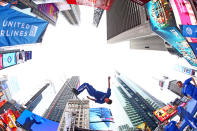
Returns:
(58,105)
(34,101)
(137,103)
(127,20)
(78,112)
(174,88)
(73,15)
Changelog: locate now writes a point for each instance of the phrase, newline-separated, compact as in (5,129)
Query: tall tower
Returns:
(127,20)
(56,109)
(73,15)
(137,103)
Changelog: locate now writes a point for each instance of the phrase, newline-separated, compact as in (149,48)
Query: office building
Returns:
(125,127)
(127,20)
(137,103)
(172,86)
(97,16)
(34,101)
(56,109)
(76,114)
(72,15)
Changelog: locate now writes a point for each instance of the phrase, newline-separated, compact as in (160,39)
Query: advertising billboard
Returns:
(18,28)
(103,4)
(185,70)
(1,61)
(28,55)
(9,59)
(141,2)
(33,122)
(50,10)
(143,126)
(189,30)
(63,6)
(184,15)
(165,112)
(164,25)
(100,119)
(47,1)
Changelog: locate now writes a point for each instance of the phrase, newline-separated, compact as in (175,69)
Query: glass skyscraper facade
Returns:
(137,103)
(58,105)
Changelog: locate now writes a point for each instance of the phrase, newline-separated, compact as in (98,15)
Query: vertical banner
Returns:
(18,28)
(50,10)
(103,4)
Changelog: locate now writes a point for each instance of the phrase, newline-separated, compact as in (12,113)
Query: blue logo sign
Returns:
(19,28)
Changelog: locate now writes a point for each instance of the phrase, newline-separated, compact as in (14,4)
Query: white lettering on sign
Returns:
(19,29)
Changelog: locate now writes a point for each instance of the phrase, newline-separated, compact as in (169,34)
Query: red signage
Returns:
(165,112)
(103,4)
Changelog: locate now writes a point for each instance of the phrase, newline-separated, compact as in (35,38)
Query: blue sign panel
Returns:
(101,119)
(194,47)
(19,28)
(9,59)
(189,30)
(32,122)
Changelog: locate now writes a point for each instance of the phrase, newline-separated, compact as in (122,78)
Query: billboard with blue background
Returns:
(19,28)
(101,119)
(33,122)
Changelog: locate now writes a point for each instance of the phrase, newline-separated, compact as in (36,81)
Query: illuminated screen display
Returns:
(9,59)
(1,61)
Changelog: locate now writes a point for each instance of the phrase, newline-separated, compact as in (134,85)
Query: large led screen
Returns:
(9,59)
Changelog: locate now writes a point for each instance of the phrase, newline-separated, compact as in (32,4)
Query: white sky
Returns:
(83,51)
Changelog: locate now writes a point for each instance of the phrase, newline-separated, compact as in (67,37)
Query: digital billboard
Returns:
(103,4)
(1,61)
(100,119)
(189,30)
(33,122)
(9,59)
(49,10)
(165,112)
(141,2)
(143,126)
(164,25)
(28,55)
(184,15)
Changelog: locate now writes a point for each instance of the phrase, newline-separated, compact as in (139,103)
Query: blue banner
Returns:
(100,119)
(194,47)
(32,122)
(189,30)
(19,28)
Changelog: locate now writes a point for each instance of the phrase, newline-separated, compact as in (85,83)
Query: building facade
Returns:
(137,103)
(34,101)
(73,15)
(174,88)
(127,20)
(76,114)
(56,109)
